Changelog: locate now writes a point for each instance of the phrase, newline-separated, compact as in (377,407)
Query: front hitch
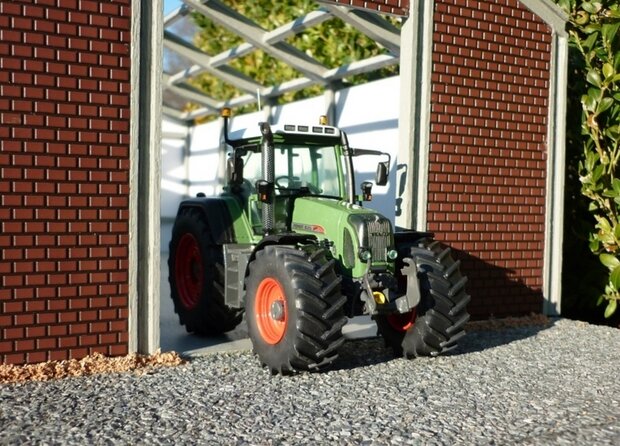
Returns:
(403,304)
(411,299)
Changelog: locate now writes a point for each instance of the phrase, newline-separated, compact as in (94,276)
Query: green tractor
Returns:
(289,244)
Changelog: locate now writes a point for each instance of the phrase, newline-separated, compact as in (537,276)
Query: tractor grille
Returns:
(379,238)
(374,232)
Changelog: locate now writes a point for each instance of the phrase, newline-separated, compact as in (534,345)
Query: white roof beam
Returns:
(191,94)
(297,26)
(300,24)
(362,66)
(173,112)
(175,15)
(375,27)
(224,72)
(254,34)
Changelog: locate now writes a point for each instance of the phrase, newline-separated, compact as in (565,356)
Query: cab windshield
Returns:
(310,169)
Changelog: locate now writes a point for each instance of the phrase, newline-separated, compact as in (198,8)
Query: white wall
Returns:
(368,113)
(174,174)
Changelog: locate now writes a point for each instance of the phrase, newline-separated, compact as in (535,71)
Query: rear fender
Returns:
(409,236)
(283,239)
(217,215)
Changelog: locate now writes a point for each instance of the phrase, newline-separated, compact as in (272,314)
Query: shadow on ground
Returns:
(363,352)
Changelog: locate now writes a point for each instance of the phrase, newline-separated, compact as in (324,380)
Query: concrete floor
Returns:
(174,337)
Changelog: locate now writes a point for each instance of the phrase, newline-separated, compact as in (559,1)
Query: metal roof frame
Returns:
(273,43)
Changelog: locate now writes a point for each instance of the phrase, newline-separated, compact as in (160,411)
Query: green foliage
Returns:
(331,43)
(595,59)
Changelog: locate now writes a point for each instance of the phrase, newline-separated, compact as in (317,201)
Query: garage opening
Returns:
(202,77)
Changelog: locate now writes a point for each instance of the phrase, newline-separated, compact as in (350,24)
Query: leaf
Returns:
(611,308)
(605,104)
(615,277)
(609,260)
(594,78)
(589,103)
(597,172)
(594,245)
(591,7)
(608,70)
(609,31)
(590,41)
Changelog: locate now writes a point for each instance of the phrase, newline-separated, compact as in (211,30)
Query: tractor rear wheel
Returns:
(436,324)
(196,276)
(294,309)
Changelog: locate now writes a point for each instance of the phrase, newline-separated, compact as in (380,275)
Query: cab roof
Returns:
(306,132)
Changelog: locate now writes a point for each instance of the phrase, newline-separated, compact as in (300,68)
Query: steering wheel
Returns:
(282,182)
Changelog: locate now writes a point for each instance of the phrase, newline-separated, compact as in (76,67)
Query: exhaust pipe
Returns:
(268,176)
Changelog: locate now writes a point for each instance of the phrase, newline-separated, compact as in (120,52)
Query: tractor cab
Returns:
(300,161)
(302,167)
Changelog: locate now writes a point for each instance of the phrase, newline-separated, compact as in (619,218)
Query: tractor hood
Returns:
(351,230)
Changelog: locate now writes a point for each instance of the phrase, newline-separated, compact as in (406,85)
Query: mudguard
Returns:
(217,215)
(289,238)
(402,236)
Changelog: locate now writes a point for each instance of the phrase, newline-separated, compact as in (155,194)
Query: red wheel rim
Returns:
(188,271)
(270,311)
(402,322)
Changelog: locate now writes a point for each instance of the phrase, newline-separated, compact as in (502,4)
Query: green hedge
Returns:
(594,148)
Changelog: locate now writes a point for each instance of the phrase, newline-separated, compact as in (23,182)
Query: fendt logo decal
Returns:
(310,228)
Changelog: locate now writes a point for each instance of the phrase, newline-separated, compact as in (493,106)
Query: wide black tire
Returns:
(196,276)
(294,309)
(437,323)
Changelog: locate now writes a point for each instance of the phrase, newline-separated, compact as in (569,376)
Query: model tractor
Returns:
(289,244)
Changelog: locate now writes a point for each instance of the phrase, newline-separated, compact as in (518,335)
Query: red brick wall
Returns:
(490,79)
(64,165)
(396,7)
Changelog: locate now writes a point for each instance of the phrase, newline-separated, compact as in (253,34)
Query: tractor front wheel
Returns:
(294,309)
(436,324)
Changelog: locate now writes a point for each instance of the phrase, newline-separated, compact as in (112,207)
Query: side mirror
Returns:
(265,190)
(234,170)
(383,171)
(367,191)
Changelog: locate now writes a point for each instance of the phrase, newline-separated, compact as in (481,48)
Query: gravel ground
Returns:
(529,385)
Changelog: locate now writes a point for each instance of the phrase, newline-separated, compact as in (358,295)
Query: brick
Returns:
(58,355)
(23,345)
(107,338)
(13,333)
(118,350)
(15,358)
(36,357)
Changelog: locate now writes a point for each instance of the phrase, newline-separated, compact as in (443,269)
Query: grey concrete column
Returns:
(145,174)
(414,116)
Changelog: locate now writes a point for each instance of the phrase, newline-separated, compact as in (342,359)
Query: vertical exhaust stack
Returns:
(268,176)
(225,114)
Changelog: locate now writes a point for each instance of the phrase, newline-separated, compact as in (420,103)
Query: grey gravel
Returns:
(529,385)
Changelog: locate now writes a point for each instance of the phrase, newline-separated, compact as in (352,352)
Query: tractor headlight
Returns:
(365,255)
(392,254)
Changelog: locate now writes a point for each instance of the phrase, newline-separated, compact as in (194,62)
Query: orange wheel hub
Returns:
(189,271)
(270,311)
(402,322)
